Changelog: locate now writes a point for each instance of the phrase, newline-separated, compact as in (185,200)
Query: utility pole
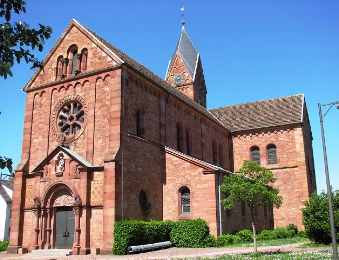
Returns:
(328,184)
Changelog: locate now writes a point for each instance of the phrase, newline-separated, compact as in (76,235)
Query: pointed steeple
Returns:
(185,69)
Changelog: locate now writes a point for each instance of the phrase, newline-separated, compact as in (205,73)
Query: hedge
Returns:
(135,232)
(191,233)
(187,233)
(3,245)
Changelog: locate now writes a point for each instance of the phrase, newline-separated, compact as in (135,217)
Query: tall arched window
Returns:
(188,142)
(185,200)
(214,152)
(140,131)
(73,60)
(179,137)
(271,154)
(255,154)
(59,67)
(221,155)
(83,60)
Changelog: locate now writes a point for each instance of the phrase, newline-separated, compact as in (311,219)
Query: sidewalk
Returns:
(170,253)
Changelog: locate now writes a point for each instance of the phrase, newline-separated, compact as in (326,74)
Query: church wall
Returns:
(290,171)
(145,164)
(203,192)
(96,59)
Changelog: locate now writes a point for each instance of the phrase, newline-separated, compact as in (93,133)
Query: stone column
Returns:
(37,229)
(49,230)
(77,211)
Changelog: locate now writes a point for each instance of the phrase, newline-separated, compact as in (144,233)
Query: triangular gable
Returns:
(70,153)
(91,36)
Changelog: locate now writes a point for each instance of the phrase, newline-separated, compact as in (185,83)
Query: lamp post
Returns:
(322,115)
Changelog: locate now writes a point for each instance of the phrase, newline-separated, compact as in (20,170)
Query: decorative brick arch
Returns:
(56,192)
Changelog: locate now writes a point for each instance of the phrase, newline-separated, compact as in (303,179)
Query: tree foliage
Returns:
(6,163)
(316,218)
(17,39)
(251,186)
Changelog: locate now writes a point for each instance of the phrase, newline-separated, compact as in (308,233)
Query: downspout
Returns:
(219,200)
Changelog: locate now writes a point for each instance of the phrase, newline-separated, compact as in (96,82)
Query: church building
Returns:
(105,139)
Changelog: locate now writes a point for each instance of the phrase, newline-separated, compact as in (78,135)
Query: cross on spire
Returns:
(183,21)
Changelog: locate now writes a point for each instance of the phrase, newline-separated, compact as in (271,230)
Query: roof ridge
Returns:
(258,101)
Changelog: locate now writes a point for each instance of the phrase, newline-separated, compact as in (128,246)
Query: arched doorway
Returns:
(64,221)
(60,218)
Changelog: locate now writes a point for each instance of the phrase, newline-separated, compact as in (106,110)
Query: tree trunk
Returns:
(254,231)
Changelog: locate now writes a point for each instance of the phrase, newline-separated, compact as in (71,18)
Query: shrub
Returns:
(267,235)
(190,233)
(277,233)
(281,232)
(3,245)
(315,217)
(293,228)
(227,239)
(134,232)
(245,235)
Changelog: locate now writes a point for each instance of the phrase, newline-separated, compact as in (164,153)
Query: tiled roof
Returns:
(262,114)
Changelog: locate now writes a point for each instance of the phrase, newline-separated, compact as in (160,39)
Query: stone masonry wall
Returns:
(290,171)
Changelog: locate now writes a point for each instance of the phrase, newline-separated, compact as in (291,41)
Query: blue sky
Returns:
(251,50)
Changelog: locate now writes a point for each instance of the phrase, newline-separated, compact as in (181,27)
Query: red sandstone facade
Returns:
(105,139)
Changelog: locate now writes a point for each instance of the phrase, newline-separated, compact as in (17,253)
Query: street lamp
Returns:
(322,115)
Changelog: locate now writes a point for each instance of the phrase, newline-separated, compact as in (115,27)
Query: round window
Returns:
(70,119)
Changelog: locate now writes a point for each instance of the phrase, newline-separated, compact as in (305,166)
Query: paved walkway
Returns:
(171,253)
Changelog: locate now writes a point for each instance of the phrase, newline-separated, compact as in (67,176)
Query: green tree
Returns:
(316,218)
(6,163)
(17,39)
(251,186)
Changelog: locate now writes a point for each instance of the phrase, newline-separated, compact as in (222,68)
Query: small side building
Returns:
(5,208)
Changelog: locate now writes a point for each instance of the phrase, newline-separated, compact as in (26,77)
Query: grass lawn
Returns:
(278,256)
(275,242)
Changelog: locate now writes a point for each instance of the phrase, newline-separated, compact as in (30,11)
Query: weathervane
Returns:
(183,22)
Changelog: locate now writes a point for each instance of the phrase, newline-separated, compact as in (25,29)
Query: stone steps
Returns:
(50,252)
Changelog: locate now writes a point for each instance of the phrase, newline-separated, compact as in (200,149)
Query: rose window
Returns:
(71,119)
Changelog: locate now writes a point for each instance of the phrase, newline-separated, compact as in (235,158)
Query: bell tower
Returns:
(185,71)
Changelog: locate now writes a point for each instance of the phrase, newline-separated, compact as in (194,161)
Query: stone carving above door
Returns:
(60,165)
(64,200)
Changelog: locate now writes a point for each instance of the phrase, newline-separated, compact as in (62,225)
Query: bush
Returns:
(227,239)
(245,235)
(134,232)
(315,217)
(190,233)
(267,235)
(277,233)
(293,228)
(281,232)
(3,245)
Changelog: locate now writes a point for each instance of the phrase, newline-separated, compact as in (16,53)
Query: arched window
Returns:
(179,137)
(214,153)
(185,200)
(74,60)
(59,67)
(83,60)
(255,154)
(188,142)
(271,154)
(140,131)
(221,155)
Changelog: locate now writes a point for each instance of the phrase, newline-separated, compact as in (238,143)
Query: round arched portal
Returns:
(60,218)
